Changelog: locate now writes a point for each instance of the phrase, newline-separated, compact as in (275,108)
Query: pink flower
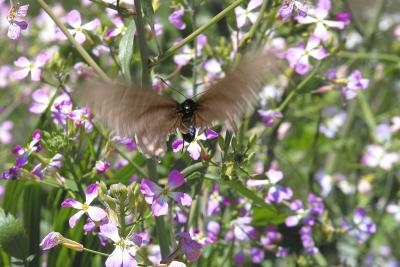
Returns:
(102,166)
(74,20)
(41,99)
(289,6)
(176,18)
(190,247)
(5,132)
(318,16)
(119,30)
(270,116)
(95,213)
(26,66)
(4,76)
(298,57)
(158,197)
(51,240)
(355,82)
(397,31)
(16,24)
(193,147)
(377,156)
(124,252)
(243,14)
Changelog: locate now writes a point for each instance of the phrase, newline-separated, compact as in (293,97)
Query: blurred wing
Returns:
(131,111)
(227,99)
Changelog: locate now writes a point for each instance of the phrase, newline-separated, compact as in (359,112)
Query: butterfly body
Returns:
(150,117)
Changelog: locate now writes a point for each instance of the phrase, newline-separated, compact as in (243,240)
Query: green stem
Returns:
(296,90)
(370,56)
(197,32)
(96,252)
(139,21)
(367,113)
(125,12)
(78,47)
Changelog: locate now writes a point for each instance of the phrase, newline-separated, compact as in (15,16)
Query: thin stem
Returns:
(139,21)
(78,47)
(96,252)
(296,90)
(370,56)
(125,12)
(197,32)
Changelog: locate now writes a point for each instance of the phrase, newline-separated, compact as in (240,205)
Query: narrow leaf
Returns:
(125,51)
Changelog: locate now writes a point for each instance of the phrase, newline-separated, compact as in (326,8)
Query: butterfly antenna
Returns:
(169,86)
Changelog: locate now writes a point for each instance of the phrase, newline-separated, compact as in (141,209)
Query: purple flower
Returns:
(176,18)
(318,16)
(307,240)
(242,229)
(344,17)
(15,16)
(81,117)
(12,174)
(190,247)
(243,14)
(4,75)
(74,20)
(102,166)
(214,202)
(41,99)
(363,228)
(26,66)
(119,30)
(158,197)
(187,53)
(377,156)
(315,209)
(53,239)
(124,252)
(24,153)
(194,147)
(355,82)
(289,6)
(95,213)
(5,132)
(299,57)
(54,163)
(129,143)
(333,120)
(270,116)
(256,255)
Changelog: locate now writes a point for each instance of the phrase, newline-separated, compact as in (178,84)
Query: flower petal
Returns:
(69,202)
(182,198)
(194,150)
(74,18)
(92,192)
(178,145)
(149,189)
(14,31)
(111,231)
(175,179)
(159,207)
(116,258)
(74,219)
(96,213)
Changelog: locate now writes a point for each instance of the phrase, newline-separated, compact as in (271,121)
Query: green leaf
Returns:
(267,215)
(244,191)
(13,239)
(32,214)
(125,50)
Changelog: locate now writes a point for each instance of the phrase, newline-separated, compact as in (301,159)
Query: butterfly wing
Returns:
(131,111)
(226,99)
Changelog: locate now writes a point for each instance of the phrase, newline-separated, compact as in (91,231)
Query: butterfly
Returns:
(150,117)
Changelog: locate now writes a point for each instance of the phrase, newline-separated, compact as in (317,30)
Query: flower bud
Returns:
(119,191)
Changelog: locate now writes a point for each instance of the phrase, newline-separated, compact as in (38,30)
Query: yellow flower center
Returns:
(85,207)
(121,243)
